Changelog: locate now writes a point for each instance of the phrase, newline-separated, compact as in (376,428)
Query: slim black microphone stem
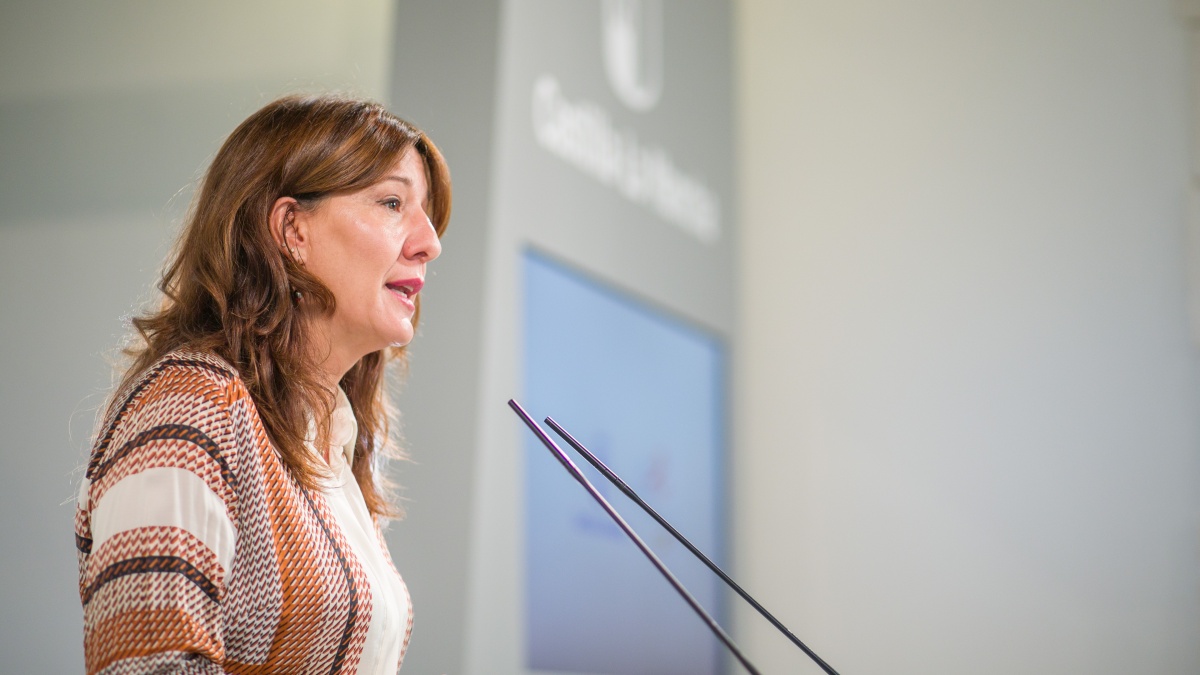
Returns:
(662,568)
(616,480)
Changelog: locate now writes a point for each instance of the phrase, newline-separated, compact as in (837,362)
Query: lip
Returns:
(406,289)
(413,285)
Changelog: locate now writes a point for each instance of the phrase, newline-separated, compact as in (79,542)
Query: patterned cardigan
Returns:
(198,552)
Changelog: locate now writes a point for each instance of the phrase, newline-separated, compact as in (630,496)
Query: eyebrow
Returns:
(400,179)
(407,181)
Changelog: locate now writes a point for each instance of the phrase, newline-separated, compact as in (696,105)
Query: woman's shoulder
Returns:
(176,382)
(182,366)
(179,412)
(198,362)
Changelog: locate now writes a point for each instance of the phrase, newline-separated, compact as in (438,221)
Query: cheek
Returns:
(338,274)
(351,263)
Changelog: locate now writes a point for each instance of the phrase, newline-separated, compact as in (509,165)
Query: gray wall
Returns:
(968,396)
(541,200)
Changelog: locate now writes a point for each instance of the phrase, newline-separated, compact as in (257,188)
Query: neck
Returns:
(333,360)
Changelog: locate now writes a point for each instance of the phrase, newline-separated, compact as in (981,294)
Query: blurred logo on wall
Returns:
(632,36)
(585,134)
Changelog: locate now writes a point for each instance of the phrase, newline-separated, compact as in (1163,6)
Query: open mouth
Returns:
(408,288)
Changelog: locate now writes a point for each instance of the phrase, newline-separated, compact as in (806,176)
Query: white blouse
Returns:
(391,608)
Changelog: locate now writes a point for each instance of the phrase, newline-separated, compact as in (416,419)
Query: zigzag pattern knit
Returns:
(262,581)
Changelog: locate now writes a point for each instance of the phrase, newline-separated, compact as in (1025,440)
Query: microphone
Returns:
(623,487)
(616,517)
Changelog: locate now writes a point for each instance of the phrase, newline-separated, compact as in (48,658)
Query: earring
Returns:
(297,295)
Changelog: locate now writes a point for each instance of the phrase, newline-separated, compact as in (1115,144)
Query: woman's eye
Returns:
(392,203)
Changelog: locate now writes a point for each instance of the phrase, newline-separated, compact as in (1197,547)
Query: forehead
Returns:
(408,170)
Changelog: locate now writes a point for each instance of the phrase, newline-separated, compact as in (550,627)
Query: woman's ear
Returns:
(285,228)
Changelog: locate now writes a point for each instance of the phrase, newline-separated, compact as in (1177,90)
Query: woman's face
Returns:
(370,249)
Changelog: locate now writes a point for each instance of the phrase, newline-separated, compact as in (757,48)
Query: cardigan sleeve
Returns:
(156,526)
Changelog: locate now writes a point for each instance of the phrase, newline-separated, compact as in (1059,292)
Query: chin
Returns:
(401,338)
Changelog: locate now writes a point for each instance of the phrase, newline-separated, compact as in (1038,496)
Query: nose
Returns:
(423,244)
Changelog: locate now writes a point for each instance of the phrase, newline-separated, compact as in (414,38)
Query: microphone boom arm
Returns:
(625,527)
(620,484)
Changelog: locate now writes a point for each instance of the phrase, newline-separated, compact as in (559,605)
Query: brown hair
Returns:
(228,285)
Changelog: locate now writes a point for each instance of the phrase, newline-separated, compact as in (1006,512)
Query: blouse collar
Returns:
(343,428)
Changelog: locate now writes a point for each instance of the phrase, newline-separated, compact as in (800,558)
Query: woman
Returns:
(229,517)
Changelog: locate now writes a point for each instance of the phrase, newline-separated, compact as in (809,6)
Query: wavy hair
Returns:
(228,285)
